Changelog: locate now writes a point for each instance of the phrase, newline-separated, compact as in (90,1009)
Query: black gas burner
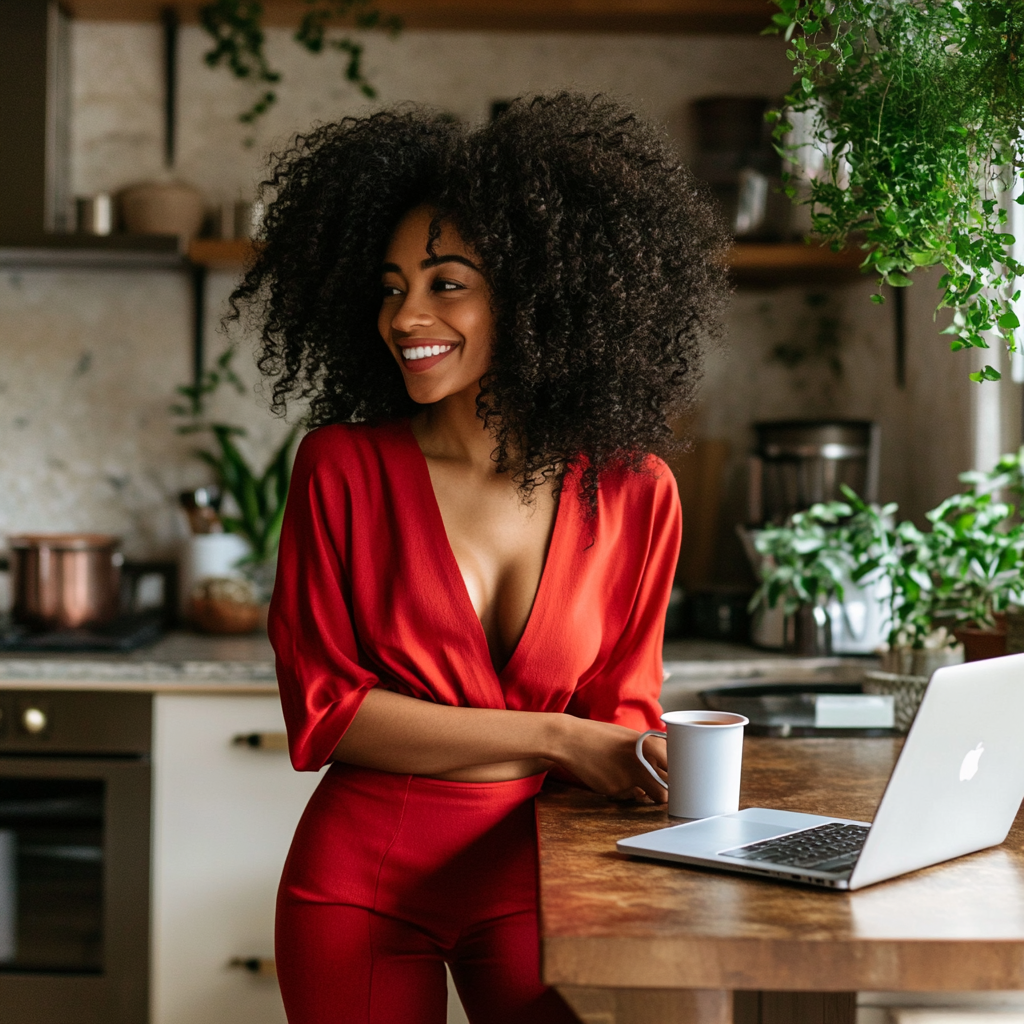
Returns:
(126,633)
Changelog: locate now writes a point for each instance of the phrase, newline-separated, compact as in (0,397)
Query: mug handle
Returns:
(643,760)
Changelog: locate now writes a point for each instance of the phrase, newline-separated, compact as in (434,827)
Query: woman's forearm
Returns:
(395,733)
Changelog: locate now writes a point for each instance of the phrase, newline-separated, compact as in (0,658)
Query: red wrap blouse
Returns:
(369,594)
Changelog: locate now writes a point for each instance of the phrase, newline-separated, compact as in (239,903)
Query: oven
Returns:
(74,857)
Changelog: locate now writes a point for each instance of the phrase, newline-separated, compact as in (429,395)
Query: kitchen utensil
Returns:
(800,462)
(202,507)
(65,579)
(159,208)
(705,758)
(736,157)
(94,215)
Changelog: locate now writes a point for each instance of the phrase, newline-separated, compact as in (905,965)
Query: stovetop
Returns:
(126,633)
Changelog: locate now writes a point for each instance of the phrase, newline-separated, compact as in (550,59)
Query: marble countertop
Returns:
(179,662)
(192,662)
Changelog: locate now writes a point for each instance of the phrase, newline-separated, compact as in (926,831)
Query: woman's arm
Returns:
(395,733)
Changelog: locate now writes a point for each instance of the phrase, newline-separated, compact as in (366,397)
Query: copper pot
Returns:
(65,580)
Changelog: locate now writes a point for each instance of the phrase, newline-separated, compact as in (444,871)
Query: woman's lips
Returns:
(423,356)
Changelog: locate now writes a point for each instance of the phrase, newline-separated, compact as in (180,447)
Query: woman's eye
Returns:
(447,286)
(388,291)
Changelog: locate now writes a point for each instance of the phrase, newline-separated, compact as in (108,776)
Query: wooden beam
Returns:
(742,16)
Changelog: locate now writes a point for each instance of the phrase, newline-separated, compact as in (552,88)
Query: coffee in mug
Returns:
(705,758)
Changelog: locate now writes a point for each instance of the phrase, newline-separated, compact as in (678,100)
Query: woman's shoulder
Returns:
(651,483)
(345,443)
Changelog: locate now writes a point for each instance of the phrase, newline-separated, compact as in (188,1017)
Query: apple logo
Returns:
(969,768)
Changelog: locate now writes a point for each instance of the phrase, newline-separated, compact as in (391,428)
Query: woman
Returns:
(490,327)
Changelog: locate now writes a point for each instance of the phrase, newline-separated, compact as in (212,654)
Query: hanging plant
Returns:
(916,108)
(236,28)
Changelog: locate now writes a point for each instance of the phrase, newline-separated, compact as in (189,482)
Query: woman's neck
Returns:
(453,430)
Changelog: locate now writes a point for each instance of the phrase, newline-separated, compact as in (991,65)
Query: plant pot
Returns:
(812,631)
(980,643)
(155,208)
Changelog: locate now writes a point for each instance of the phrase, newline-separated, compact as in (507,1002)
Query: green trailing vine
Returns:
(236,29)
(917,107)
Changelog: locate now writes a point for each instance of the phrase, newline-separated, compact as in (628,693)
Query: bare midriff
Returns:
(506,771)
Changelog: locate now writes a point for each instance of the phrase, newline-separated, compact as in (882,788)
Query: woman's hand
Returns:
(603,757)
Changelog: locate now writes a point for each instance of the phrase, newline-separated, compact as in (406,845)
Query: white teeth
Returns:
(424,351)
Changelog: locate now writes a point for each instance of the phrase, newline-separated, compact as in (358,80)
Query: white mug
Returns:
(705,757)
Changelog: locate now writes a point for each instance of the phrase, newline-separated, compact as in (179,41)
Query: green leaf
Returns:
(988,373)
(1008,321)
(898,280)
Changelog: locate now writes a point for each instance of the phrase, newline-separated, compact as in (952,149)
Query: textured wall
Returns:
(89,360)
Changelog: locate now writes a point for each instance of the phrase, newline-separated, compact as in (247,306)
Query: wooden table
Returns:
(627,940)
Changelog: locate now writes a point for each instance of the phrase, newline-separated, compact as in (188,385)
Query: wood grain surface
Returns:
(613,921)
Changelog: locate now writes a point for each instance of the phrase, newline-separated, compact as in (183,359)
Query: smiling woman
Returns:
(491,327)
(436,310)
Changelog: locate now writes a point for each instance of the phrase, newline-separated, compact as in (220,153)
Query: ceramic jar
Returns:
(162,208)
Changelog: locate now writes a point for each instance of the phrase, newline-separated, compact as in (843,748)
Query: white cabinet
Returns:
(223,819)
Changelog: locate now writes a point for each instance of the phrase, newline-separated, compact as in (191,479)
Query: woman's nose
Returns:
(412,313)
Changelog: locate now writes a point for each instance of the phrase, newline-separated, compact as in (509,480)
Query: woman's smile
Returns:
(425,354)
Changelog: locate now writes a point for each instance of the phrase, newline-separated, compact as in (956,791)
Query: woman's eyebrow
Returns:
(433,261)
(451,258)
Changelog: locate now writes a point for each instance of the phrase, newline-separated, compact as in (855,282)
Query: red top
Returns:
(369,594)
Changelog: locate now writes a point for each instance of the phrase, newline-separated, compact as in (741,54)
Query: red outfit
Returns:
(369,594)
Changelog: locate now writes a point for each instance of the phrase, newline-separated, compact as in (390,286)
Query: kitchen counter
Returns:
(184,662)
(180,662)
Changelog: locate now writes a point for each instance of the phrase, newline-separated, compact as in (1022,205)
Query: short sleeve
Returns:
(623,687)
(321,682)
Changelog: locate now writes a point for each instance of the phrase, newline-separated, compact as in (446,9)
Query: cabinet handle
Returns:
(262,740)
(261,965)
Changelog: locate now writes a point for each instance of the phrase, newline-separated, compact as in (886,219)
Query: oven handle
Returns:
(264,966)
(262,740)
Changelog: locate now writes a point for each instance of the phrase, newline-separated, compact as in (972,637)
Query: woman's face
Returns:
(435,315)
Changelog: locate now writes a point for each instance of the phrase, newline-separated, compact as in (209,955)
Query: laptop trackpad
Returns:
(709,835)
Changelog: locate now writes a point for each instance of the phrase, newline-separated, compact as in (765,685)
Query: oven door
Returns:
(74,889)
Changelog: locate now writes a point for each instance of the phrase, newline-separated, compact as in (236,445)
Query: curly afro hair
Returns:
(605,259)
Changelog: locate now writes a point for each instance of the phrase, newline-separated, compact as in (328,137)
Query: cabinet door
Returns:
(223,817)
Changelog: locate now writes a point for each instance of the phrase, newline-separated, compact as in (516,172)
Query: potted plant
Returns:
(804,565)
(916,111)
(257,501)
(944,586)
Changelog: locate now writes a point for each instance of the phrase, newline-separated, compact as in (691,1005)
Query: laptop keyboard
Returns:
(829,847)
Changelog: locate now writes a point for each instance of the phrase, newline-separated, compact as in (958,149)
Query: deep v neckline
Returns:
(453,574)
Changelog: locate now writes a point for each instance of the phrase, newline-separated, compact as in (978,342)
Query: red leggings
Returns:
(389,878)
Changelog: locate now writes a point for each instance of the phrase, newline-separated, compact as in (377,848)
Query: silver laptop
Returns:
(956,788)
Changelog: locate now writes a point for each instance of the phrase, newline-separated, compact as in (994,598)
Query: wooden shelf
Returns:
(220,254)
(744,16)
(779,263)
(751,263)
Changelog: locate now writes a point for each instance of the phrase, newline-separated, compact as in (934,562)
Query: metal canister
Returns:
(65,580)
(94,215)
